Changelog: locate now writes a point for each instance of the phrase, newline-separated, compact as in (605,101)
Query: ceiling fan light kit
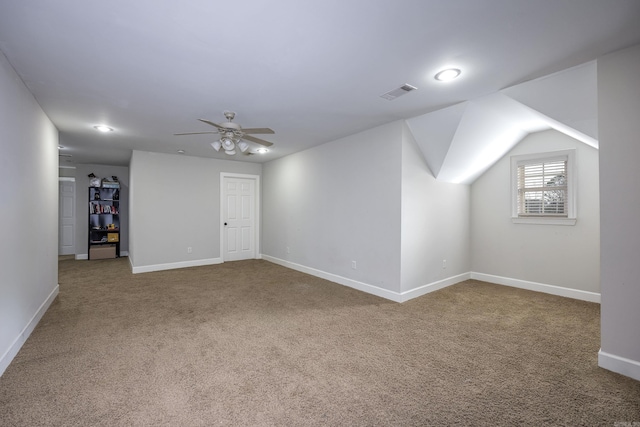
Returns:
(227,143)
(232,135)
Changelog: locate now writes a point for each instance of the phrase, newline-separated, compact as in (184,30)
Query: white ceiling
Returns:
(460,142)
(313,71)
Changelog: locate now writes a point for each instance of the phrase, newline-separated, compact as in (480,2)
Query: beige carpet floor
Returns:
(251,343)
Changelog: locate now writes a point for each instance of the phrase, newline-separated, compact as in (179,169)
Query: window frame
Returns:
(570,157)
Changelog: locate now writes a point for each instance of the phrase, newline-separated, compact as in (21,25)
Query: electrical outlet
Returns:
(189,250)
(444,263)
(288,250)
(353,265)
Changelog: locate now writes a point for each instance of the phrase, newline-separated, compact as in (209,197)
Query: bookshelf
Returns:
(104,221)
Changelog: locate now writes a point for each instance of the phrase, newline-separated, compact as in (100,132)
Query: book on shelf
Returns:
(97,208)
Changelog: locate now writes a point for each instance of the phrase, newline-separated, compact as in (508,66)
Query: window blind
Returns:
(542,188)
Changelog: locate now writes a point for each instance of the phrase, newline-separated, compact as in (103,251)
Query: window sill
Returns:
(545,221)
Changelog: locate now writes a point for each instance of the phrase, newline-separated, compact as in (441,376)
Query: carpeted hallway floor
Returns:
(251,343)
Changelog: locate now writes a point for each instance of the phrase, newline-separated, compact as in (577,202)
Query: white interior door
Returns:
(239,218)
(67,218)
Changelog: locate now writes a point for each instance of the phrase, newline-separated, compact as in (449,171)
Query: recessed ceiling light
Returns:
(60,147)
(181,151)
(447,75)
(103,128)
(262,150)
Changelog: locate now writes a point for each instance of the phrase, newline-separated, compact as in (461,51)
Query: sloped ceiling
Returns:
(570,97)
(434,133)
(313,71)
(461,142)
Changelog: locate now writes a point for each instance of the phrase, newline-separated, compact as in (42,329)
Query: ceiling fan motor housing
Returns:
(232,134)
(230,125)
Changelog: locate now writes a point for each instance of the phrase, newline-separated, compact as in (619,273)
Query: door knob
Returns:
(225,223)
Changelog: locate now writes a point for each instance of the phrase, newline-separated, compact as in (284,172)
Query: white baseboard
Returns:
(370,289)
(174,265)
(538,287)
(431,287)
(364,287)
(620,365)
(16,345)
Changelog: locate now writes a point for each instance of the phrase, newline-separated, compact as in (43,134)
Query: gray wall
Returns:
(29,214)
(566,256)
(82,203)
(619,132)
(368,198)
(435,222)
(174,203)
(337,203)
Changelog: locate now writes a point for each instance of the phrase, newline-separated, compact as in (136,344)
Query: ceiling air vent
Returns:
(393,94)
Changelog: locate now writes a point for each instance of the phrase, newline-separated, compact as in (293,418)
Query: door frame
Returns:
(256,217)
(75,213)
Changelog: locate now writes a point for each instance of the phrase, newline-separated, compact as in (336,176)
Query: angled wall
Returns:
(368,198)
(435,226)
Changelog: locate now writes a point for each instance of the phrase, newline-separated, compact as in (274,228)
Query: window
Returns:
(543,188)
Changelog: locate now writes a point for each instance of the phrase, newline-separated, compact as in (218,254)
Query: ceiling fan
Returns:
(232,135)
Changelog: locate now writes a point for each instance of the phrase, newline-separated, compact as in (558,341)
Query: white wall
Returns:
(337,203)
(174,203)
(29,214)
(619,129)
(563,256)
(82,204)
(435,223)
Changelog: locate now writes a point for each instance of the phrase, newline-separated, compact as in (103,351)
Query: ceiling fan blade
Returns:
(258,130)
(195,133)
(257,140)
(209,122)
